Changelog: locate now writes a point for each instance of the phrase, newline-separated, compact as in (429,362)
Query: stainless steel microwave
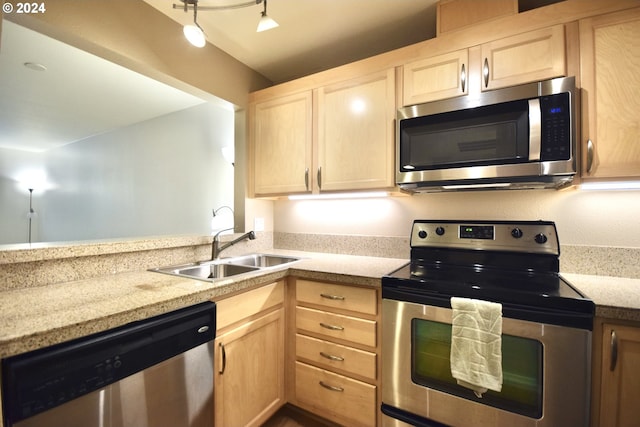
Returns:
(512,138)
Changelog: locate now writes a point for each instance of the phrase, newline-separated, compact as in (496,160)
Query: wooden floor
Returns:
(289,416)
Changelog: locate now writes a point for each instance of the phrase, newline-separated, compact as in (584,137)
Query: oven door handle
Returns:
(550,316)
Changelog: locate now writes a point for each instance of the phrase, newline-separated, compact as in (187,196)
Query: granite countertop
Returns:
(615,298)
(36,317)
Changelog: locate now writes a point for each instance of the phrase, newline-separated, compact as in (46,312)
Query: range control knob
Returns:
(541,238)
(516,233)
(439,231)
(422,234)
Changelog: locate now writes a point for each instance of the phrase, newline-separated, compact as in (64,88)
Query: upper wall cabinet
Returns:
(356,122)
(523,58)
(316,140)
(281,131)
(609,64)
(438,77)
(528,57)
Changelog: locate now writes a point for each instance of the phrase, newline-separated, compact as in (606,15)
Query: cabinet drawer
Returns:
(330,355)
(333,325)
(361,300)
(347,401)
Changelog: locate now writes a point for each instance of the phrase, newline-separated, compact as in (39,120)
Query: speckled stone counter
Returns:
(615,297)
(36,317)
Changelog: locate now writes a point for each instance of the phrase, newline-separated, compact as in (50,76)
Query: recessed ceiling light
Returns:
(35,66)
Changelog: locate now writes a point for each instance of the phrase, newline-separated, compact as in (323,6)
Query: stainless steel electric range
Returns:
(546,328)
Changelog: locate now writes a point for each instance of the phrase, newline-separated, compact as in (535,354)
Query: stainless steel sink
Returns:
(226,267)
(262,260)
(206,271)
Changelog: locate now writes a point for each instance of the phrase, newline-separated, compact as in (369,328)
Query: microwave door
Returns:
(484,136)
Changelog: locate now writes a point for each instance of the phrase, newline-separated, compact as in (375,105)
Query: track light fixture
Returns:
(195,34)
(265,23)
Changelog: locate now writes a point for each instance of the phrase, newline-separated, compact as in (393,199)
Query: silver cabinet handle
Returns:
(330,387)
(332,327)
(319,176)
(614,350)
(332,297)
(306,178)
(223,356)
(590,153)
(331,357)
(463,78)
(485,72)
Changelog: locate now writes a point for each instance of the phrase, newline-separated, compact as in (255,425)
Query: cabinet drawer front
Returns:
(330,355)
(332,325)
(342,399)
(362,300)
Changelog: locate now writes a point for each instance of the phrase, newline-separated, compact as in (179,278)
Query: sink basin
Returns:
(262,260)
(226,267)
(207,271)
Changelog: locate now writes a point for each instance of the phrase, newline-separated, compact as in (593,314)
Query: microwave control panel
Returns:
(556,127)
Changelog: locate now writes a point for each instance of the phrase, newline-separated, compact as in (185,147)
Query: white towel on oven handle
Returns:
(476,344)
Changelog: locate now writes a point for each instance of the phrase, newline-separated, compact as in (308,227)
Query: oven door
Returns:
(546,373)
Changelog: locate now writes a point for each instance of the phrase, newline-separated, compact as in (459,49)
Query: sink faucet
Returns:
(216,248)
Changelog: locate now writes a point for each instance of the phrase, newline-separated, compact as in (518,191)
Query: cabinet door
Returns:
(249,381)
(609,64)
(620,392)
(528,57)
(438,77)
(281,143)
(356,133)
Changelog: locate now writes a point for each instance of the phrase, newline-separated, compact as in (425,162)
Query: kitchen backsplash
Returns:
(21,266)
(594,260)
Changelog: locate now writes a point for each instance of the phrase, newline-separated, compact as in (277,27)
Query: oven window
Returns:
(521,368)
(483,136)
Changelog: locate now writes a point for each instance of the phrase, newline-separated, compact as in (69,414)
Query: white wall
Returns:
(582,217)
(158,177)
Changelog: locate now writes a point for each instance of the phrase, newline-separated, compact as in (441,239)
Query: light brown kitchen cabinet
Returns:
(249,357)
(315,140)
(510,61)
(282,142)
(356,122)
(527,57)
(337,351)
(438,77)
(620,376)
(609,63)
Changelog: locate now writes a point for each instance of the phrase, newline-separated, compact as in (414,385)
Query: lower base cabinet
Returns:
(335,351)
(620,375)
(249,359)
(336,397)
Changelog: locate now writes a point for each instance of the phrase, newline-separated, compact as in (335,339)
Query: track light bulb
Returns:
(194,34)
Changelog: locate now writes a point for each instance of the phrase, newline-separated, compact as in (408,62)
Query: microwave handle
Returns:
(535,129)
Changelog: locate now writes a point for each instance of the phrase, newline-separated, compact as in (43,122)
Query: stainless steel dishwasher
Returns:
(153,373)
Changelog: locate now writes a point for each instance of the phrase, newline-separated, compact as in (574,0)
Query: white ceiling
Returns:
(79,94)
(313,35)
